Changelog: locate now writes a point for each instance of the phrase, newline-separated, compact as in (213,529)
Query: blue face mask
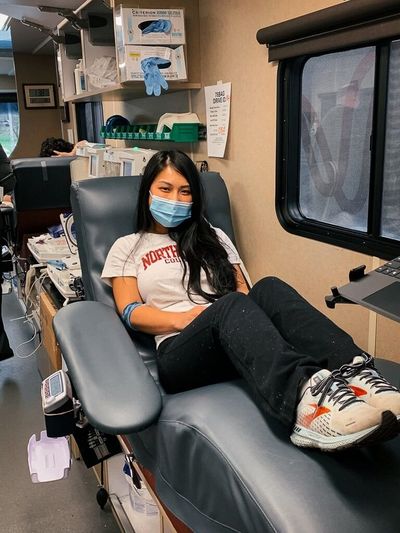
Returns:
(169,213)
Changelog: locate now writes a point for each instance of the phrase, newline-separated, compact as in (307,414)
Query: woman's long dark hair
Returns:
(197,242)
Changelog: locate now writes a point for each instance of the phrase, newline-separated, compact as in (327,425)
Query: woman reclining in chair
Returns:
(179,279)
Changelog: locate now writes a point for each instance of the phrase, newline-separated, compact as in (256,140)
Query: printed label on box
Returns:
(131,57)
(149,26)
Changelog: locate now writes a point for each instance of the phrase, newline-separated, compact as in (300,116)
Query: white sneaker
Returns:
(331,417)
(370,386)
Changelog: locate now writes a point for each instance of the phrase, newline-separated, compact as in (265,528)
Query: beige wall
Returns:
(230,52)
(35,124)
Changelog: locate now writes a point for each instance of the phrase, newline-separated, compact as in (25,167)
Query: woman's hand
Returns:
(186,317)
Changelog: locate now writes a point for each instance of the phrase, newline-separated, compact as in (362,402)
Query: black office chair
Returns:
(41,193)
(218,463)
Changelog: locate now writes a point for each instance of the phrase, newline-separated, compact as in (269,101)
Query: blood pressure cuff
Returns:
(94,445)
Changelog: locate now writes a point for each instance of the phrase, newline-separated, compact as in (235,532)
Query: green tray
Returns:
(181,133)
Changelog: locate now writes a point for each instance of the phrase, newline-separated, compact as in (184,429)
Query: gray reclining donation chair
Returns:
(218,463)
(42,192)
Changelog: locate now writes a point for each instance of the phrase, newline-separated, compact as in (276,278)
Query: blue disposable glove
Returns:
(157,26)
(153,78)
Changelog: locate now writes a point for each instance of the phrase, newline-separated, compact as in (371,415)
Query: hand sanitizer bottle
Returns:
(80,80)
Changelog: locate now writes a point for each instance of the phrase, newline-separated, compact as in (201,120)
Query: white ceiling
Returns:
(28,8)
(28,40)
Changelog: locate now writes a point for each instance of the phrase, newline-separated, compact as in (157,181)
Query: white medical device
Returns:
(126,161)
(95,153)
(59,406)
(95,165)
(67,223)
(45,247)
(64,273)
(112,160)
(134,162)
(56,392)
(82,150)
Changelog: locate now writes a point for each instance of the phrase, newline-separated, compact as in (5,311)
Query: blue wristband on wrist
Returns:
(126,314)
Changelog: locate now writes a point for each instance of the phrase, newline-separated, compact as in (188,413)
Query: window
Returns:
(9,121)
(336,121)
(89,118)
(338,125)
(9,114)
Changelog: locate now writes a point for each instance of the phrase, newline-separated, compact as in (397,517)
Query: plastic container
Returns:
(143,511)
(142,502)
(48,459)
(80,78)
(180,132)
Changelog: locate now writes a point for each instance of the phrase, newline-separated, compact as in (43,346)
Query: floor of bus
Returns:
(67,505)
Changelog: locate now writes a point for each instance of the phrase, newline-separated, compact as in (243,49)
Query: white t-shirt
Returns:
(153,260)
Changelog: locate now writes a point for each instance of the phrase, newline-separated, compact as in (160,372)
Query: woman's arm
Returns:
(72,152)
(7,199)
(146,318)
(241,284)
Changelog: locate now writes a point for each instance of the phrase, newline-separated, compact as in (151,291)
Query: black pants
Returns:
(272,337)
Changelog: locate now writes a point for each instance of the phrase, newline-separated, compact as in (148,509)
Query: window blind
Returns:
(350,24)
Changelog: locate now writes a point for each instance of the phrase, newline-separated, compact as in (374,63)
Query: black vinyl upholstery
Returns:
(42,183)
(41,193)
(219,464)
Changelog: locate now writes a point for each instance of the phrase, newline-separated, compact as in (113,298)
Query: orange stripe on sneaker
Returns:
(358,391)
(318,411)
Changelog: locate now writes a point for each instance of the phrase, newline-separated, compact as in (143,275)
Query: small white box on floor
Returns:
(149,26)
(131,57)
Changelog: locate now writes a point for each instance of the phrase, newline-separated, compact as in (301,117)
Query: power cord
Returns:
(28,318)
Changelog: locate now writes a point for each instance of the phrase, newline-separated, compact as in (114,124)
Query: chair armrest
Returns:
(117,393)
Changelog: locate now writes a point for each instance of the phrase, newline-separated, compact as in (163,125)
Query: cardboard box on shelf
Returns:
(131,57)
(149,26)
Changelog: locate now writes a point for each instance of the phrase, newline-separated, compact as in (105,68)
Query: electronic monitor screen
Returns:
(55,385)
(127,168)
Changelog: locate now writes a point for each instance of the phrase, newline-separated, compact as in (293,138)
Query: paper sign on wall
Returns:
(218,103)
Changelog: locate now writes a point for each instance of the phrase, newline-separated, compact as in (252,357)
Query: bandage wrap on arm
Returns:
(126,314)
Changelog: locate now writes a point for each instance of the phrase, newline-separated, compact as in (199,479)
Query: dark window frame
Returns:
(8,97)
(342,27)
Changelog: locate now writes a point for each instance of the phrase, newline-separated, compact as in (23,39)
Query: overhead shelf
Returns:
(128,90)
(180,132)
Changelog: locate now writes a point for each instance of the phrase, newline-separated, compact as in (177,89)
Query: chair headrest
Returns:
(42,182)
(105,209)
